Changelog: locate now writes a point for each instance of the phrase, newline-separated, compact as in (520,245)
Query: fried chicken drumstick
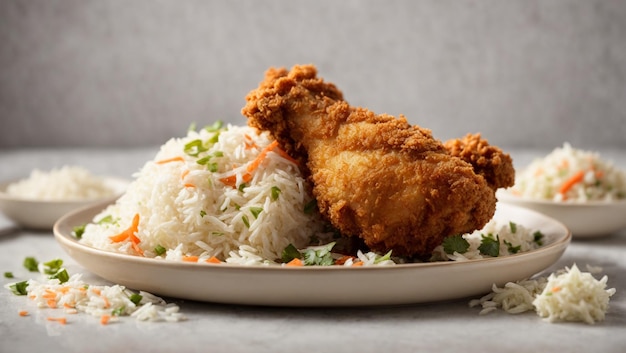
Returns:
(376,176)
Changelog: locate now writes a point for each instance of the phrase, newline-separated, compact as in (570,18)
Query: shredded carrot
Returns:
(184,174)
(358,263)
(555,289)
(23,313)
(68,306)
(137,249)
(285,155)
(232,180)
(51,303)
(257,161)
(128,232)
(190,258)
(573,180)
(96,291)
(343,260)
(107,304)
(295,262)
(189,185)
(63,290)
(104,319)
(213,260)
(60,320)
(168,160)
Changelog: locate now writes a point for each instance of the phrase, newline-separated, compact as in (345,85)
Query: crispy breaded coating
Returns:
(374,176)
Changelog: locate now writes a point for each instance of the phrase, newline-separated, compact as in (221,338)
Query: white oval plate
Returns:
(318,286)
(36,214)
(585,220)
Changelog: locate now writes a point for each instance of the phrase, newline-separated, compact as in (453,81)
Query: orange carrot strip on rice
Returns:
(169,160)
(184,174)
(295,262)
(573,180)
(257,161)
(358,263)
(23,313)
(128,233)
(51,303)
(104,319)
(189,258)
(213,260)
(284,154)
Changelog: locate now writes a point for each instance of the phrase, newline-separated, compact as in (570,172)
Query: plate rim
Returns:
(69,240)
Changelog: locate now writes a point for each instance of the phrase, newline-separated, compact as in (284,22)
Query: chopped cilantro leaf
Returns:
(319,255)
(159,250)
(512,249)
(61,275)
(538,238)
(135,298)
(513,227)
(275,193)
(52,267)
(256,211)
(31,264)
(289,253)
(246,221)
(78,231)
(19,288)
(310,206)
(455,243)
(489,245)
(8,275)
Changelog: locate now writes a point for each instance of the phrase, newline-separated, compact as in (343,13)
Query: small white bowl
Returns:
(41,215)
(585,220)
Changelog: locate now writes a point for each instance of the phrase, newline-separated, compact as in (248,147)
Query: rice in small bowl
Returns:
(576,187)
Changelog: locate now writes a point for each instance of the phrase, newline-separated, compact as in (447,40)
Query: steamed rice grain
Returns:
(200,197)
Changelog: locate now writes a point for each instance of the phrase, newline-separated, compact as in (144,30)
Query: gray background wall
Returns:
(137,72)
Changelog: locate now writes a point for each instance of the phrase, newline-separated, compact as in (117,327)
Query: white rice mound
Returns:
(114,301)
(509,234)
(64,184)
(187,208)
(544,177)
(566,295)
(574,296)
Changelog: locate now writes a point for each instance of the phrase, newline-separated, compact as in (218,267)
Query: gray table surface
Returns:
(439,327)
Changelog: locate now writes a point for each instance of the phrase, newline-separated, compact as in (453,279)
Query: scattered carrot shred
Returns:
(190,258)
(555,289)
(104,319)
(573,180)
(342,260)
(257,161)
(184,174)
(60,320)
(213,260)
(295,262)
(358,263)
(23,313)
(169,160)
(189,185)
(51,303)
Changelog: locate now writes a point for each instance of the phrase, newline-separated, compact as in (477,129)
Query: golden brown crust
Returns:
(374,176)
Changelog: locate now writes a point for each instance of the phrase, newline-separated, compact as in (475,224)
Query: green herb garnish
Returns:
(256,211)
(118,311)
(135,298)
(310,206)
(106,220)
(385,257)
(538,238)
(78,231)
(159,250)
(512,249)
(245,220)
(8,275)
(52,267)
(319,255)
(19,288)
(61,275)
(31,264)
(489,245)
(455,243)
(513,227)
(215,127)
(275,193)
(289,253)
